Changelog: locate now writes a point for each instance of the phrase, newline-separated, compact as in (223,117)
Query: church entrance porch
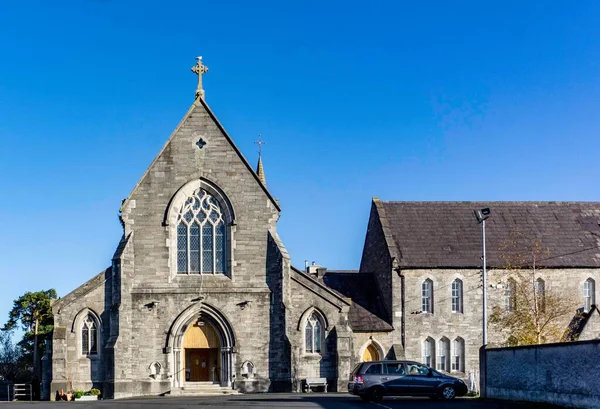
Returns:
(202,348)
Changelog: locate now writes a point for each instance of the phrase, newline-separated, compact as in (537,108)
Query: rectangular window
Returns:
(195,248)
(427,295)
(457,296)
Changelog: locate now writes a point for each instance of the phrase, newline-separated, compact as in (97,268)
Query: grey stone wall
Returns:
(468,324)
(560,374)
(335,360)
(71,369)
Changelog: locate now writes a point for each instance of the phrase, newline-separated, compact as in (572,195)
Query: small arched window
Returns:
(457,296)
(89,336)
(510,295)
(458,355)
(443,358)
(427,296)
(540,294)
(313,334)
(428,353)
(201,234)
(589,294)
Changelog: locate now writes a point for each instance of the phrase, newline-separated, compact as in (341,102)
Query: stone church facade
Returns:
(201,289)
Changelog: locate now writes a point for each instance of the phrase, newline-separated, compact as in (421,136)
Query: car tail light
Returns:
(358,379)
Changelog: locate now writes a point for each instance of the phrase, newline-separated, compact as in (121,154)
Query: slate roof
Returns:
(366,309)
(446,234)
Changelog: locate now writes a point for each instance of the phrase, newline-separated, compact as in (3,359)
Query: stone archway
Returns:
(188,331)
(371,351)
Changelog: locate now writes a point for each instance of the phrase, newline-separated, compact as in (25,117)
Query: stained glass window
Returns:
(313,334)
(89,336)
(201,236)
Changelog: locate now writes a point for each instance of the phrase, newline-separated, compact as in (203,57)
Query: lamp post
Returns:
(481,216)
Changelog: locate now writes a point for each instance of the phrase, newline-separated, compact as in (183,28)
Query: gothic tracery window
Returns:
(89,336)
(313,334)
(201,235)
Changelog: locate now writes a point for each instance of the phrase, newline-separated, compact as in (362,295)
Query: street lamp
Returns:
(481,216)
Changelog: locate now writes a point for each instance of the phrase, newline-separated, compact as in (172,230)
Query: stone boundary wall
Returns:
(562,374)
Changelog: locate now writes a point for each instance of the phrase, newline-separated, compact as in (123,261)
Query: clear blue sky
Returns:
(400,100)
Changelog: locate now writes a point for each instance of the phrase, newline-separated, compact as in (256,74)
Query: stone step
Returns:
(203,389)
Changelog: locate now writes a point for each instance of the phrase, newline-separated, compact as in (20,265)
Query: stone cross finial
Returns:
(199,69)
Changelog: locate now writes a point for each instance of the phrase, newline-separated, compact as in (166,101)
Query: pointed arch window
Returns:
(457,296)
(510,295)
(540,294)
(589,294)
(201,236)
(427,296)
(458,355)
(443,358)
(89,336)
(428,354)
(313,334)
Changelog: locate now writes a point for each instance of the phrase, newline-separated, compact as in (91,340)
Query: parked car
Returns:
(374,380)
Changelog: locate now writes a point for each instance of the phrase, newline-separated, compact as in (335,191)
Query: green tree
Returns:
(534,313)
(10,357)
(33,312)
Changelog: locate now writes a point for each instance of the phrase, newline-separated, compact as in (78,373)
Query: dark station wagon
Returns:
(374,380)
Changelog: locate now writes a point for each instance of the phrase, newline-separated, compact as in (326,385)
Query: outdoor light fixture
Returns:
(481,216)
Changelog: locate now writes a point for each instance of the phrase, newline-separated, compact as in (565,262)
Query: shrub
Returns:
(95,392)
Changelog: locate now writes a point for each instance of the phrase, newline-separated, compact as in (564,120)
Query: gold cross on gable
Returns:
(199,69)
(260,143)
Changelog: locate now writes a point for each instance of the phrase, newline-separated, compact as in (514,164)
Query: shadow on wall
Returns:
(280,353)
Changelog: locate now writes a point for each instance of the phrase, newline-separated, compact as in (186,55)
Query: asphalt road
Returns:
(270,401)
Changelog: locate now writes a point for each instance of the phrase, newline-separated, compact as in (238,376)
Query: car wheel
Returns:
(448,393)
(376,394)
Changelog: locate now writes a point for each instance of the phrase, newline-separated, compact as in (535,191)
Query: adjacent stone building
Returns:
(201,290)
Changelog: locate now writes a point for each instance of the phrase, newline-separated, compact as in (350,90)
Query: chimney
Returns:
(315,270)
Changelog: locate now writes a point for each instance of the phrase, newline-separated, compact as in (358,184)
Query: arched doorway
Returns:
(201,334)
(371,354)
(201,347)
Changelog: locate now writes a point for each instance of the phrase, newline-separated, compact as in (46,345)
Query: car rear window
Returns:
(356,369)
(374,369)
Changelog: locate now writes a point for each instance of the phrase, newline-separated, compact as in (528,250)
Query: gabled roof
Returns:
(446,234)
(200,102)
(367,308)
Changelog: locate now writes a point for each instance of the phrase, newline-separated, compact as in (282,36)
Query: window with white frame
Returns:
(589,294)
(201,235)
(89,336)
(428,353)
(443,358)
(458,355)
(427,296)
(540,294)
(510,295)
(457,296)
(313,334)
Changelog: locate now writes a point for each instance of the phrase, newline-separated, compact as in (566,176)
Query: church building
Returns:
(201,294)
